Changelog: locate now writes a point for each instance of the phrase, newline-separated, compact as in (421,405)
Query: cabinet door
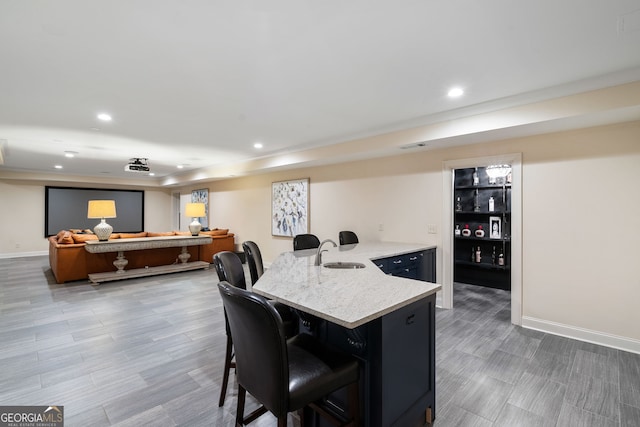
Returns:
(407,375)
(427,267)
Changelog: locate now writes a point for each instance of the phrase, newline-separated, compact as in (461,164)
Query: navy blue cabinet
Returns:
(419,265)
(396,353)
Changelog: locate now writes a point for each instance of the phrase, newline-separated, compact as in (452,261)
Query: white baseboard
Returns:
(23,254)
(595,337)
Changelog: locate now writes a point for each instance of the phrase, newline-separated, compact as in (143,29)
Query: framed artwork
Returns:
(495,227)
(290,207)
(202,196)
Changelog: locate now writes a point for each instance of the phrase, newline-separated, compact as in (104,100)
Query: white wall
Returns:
(580,238)
(21,218)
(22,215)
(580,235)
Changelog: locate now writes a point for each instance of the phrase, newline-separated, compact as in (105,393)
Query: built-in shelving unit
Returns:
(483,206)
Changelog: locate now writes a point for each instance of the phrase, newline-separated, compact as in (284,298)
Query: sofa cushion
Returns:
(65,238)
(216,232)
(82,238)
(133,235)
(155,234)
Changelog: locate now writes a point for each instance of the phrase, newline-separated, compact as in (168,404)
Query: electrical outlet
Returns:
(432,229)
(380,227)
(17,245)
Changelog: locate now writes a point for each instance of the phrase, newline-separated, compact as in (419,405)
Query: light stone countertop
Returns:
(347,297)
(140,243)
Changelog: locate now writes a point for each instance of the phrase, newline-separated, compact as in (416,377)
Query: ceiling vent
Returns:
(414,145)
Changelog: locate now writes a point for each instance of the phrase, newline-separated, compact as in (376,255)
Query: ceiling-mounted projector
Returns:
(137,165)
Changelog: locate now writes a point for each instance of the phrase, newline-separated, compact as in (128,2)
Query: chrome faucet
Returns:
(319,253)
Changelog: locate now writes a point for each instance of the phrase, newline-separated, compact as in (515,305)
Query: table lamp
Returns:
(102,209)
(195,211)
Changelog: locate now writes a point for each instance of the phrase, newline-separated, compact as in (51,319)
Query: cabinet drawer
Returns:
(382,264)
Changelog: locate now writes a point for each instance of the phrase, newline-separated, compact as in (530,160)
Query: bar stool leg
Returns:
(227,367)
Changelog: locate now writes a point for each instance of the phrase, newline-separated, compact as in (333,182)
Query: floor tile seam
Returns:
(514,384)
(618,402)
(596,379)
(453,405)
(548,379)
(616,420)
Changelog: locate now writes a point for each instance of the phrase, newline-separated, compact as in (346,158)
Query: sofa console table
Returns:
(122,245)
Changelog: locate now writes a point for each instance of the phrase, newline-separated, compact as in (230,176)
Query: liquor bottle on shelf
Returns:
(492,204)
(478,255)
(473,254)
(493,256)
(476,178)
(458,205)
(476,204)
(457,231)
(501,259)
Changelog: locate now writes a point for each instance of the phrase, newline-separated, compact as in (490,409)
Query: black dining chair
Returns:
(254,260)
(347,237)
(305,241)
(256,269)
(284,375)
(229,268)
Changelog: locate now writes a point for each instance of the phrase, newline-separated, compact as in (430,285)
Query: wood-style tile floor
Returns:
(491,373)
(150,351)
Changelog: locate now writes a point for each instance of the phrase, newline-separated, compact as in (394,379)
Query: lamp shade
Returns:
(101,209)
(194,210)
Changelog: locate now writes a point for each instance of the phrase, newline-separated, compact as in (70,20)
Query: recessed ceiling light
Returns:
(152,174)
(58,166)
(70,154)
(455,92)
(180,166)
(104,117)
(258,145)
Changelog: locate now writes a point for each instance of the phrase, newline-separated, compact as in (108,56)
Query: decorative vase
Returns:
(465,231)
(103,230)
(479,232)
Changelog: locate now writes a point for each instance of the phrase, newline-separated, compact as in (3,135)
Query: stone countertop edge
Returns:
(292,279)
(141,243)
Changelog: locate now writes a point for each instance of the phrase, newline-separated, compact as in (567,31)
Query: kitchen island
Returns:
(386,321)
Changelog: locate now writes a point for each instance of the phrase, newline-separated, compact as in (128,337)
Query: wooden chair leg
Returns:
(240,408)
(227,367)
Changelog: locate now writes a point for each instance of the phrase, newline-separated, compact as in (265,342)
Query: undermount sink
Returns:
(346,265)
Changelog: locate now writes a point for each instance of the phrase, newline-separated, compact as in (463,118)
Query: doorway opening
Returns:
(482,221)
(471,258)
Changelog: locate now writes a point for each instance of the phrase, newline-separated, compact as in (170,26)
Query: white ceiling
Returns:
(199,82)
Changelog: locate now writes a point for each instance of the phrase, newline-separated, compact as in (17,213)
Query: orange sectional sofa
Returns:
(70,261)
